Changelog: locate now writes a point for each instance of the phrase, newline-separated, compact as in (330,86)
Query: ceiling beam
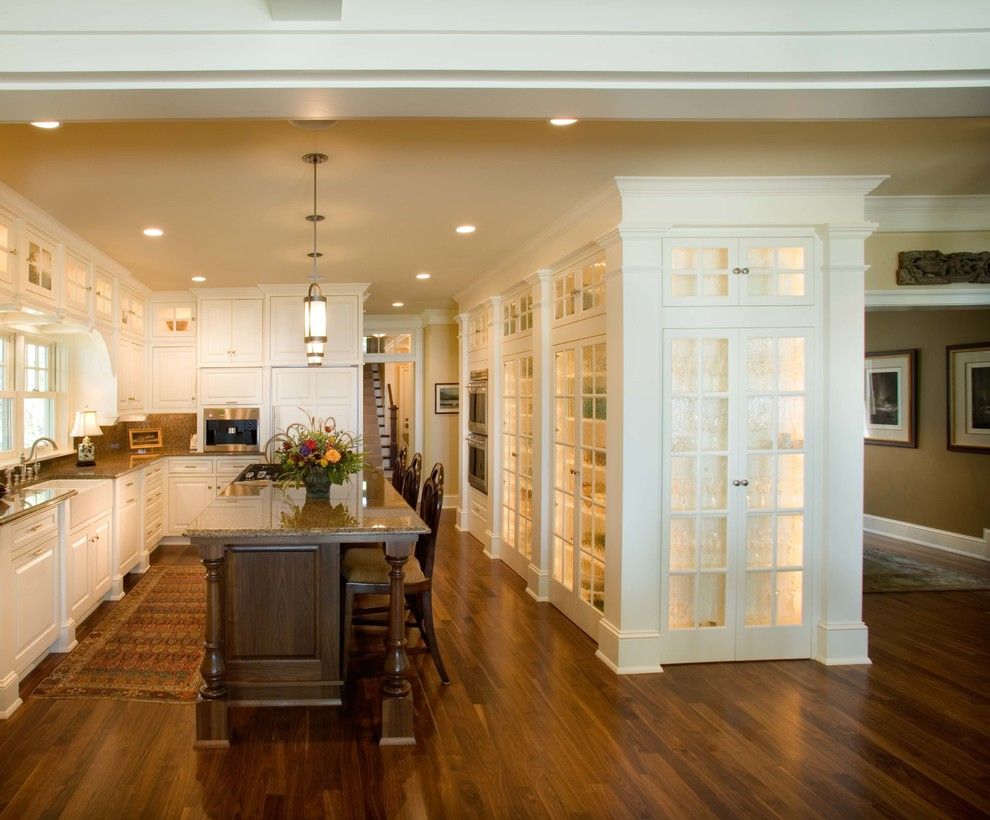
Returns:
(305,9)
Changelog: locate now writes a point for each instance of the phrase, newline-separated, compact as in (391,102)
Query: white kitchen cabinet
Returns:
(103,289)
(517,455)
(579,291)
(221,386)
(153,508)
(128,539)
(724,271)
(88,566)
(173,320)
(130,375)
(34,605)
(188,496)
(323,392)
(8,250)
(736,498)
(38,270)
(230,331)
(132,308)
(286,332)
(173,379)
(77,289)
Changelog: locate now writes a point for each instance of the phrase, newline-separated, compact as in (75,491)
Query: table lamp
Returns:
(86,426)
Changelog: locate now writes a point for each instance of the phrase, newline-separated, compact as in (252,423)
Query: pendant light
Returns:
(315,303)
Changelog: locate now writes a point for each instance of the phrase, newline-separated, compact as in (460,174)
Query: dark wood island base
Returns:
(273,632)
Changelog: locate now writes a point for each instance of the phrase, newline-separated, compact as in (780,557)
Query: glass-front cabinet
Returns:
(39,269)
(103,284)
(735,494)
(517,455)
(173,320)
(748,271)
(578,291)
(8,250)
(577,556)
(77,287)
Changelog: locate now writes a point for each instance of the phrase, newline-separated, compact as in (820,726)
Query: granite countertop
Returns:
(31,500)
(366,506)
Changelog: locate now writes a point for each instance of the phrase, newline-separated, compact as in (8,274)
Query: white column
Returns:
(629,632)
(538,572)
(841,635)
(463,522)
(493,547)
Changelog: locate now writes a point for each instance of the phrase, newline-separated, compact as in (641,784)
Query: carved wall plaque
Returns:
(937,268)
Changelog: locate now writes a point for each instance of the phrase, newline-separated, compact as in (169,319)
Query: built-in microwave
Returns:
(478,462)
(477,396)
(230,429)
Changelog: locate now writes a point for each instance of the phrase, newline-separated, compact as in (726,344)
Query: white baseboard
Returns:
(968,545)
(451,501)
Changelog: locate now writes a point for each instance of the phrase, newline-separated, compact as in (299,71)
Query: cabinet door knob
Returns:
(745,482)
(737,270)
(736,483)
(745,271)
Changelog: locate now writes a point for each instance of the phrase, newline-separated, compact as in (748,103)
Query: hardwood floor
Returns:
(534,726)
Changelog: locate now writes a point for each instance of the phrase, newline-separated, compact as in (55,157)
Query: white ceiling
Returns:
(232,195)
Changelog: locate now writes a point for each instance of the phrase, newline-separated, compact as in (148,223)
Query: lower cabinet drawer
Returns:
(128,488)
(30,529)
(190,466)
(153,496)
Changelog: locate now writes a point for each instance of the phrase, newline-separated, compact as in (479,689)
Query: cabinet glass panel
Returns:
(76,283)
(510,454)
(775,270)
(41,265)
(103,295)
(6,246)
(525,458)
(699,271)
(564,467)
(592,489)
(698,481)
(775,406)
(173,320)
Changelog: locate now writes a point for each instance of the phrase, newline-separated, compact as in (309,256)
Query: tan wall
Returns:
(882,250)
(930,485)
(440,431)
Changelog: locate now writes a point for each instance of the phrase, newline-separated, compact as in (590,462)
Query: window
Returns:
(28,391)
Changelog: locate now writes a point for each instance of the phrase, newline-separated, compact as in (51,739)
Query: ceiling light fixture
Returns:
(423,275)
(48,125)
(562,121)
(199,278)
(398,304)
(315,303)
(153,232)
(465,229)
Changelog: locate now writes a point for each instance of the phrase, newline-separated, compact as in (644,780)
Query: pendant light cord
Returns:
(315,220)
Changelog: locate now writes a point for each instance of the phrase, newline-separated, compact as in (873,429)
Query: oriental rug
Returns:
(888,572)
(148,647)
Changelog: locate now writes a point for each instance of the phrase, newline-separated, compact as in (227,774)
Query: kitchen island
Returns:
(273,635)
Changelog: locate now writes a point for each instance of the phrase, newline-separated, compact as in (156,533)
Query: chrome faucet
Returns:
(25,470)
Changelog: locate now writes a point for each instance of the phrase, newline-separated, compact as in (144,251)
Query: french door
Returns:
(580,407)
(517,457)
(736,495)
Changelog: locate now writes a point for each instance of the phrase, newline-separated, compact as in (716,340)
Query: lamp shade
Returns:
(315,321)
(86,424)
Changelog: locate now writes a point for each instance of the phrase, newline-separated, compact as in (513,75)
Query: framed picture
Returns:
(447,398)
(140,438)
(967,376)
(892,398)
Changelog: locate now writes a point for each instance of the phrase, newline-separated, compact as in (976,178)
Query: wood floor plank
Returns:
(534,726)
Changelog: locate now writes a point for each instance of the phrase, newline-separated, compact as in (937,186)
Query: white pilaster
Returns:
(629,632)
(841,635)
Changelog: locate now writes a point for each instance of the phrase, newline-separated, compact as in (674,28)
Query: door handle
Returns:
(741,483)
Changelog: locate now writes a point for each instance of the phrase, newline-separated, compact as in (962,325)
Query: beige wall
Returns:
(930,485)
(882,250)
(440,431)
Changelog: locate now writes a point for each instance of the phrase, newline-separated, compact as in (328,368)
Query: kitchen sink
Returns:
(93,496)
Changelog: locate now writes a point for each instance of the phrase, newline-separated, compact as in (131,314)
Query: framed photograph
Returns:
(141,438)
(967,376)
(892,398)
(447,398)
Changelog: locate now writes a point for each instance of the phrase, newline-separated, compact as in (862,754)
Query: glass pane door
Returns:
(775,271)
(510,451)
(773,585)
(699,272)
(524,476)
(697,506)
(594,411)
(76,284)
(564,468)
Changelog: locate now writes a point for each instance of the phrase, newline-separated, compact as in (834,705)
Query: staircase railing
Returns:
(393,425)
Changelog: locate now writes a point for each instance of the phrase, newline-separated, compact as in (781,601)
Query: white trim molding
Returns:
(968,545)
(928,296)
(628,651)
(926,214)
(842,643)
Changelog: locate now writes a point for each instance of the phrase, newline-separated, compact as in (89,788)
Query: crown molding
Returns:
(761,186)
(923,214)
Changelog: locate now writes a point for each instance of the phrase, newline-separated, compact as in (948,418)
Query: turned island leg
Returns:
(397,702)
(212,730)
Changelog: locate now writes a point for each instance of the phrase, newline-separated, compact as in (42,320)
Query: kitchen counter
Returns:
(273,586)
(116,464)
(25,502)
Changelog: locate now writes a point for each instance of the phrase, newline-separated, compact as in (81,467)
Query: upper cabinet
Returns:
(478,330)
(286,344)
(103,285)
(173,320)
(739,271)
(131,312)
(38,272)
(130,376)
(230,331)
(77,288)
(8,250)
(579,291)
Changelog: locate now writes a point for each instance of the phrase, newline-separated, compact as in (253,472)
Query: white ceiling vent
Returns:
(305,9)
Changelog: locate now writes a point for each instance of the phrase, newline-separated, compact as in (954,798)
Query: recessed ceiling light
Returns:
(465,229)
(153,232)
(423,275)
(398,304)
(562,121)
(48,125)
(199,278)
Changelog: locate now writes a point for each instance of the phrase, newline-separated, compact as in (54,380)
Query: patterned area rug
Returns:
(148,647)
(888,572)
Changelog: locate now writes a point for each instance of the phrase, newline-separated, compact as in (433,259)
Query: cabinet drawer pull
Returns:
(37,527)
(37,552)
(129,484)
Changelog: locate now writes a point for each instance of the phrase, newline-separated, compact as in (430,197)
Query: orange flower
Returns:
(331,455)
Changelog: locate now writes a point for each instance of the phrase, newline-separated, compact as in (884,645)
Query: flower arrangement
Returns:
(317,454)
